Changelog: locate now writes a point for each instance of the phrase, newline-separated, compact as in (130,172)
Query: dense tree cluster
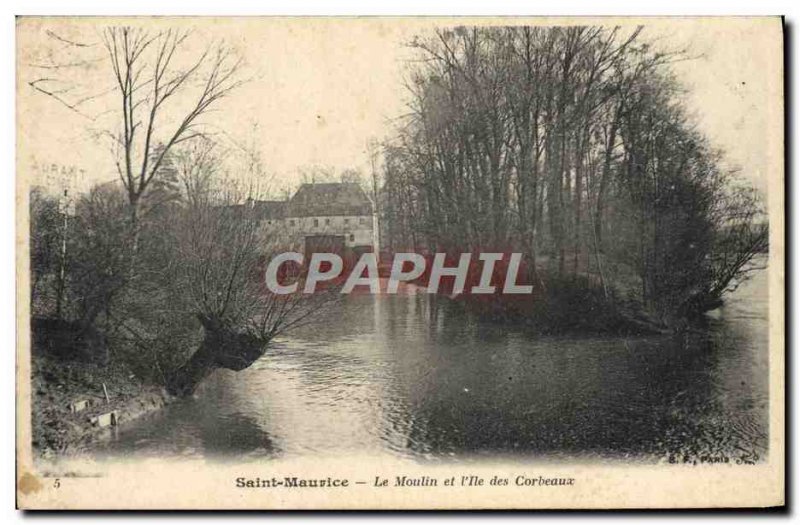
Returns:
(572,145)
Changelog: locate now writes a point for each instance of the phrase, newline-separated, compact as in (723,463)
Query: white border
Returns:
(316,7)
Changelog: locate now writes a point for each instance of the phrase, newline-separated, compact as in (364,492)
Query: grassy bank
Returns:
(72,402)
(567,308)
(580,303)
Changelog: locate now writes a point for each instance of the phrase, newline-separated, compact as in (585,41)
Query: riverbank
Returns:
(76,403)
(583,302)
(569,307)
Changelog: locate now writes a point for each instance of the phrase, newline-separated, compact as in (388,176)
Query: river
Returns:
(402,376)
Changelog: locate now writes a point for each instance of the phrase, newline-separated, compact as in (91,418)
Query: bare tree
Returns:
(144,86)
(161,93)
(196,165)
(572,144)
(221,281)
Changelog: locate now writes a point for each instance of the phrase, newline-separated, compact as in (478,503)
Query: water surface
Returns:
(408,376)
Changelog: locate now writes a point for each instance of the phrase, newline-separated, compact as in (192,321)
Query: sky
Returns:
(320,89)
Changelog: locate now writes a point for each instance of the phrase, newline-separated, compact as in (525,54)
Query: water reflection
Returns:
(409,376)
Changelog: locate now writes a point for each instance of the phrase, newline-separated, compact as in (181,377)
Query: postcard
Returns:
(400,263)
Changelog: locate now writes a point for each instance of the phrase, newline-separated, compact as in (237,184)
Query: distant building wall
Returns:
(305,216)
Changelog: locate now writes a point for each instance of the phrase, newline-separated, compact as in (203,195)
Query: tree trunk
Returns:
(604,176)
(221,348)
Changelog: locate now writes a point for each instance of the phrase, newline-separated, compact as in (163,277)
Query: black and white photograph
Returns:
(384,263)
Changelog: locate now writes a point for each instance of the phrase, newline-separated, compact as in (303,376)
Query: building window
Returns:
(327,222)
(347,220)
(291,222)
(362,220)
(352,237)
(316,222)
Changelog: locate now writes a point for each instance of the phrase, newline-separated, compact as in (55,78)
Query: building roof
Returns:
(269,209)
(329,199)
(261,210)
